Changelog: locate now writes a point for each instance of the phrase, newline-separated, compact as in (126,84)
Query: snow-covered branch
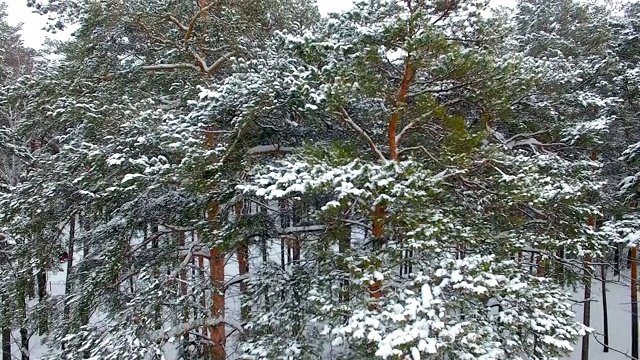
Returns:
(161,67)
(194,324)
(209,69)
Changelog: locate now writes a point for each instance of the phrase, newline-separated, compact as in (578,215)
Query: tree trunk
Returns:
(243,268)
(605,310)
(24,343)
(586,311)
(531,262)
(6,343)
(616,261)
(375,289)
(68,285)
(216,267)
(69,280)
(85,243)
(6,331)
(634,302)
(559,265)
(393,139)
(154,232)
(540,271)
(183,284)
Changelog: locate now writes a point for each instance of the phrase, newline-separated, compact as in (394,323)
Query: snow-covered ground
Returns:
(619,305)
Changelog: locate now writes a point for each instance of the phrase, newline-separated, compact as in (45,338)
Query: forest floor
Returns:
(619,310)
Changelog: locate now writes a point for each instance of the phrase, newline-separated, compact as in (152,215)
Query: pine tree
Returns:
(427,169)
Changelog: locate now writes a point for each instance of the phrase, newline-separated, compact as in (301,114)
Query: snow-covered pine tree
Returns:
(16,68)
(435,193)
(114,152)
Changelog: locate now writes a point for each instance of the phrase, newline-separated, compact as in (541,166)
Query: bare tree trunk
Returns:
(243,268)
(344,246)
(6,343)
(6,332)
(375,289)
(41,279)
(216,268)
(68,286)
(586,311)
(203,300)
(605,310)
(24,343)
(85,242)
(69,280)
(559,265)
(616,261)
(634,302)
(540,271)
(531,262)
(183,283)
(6,328)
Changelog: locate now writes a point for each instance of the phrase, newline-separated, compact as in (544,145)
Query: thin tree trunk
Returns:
(375,289)
(586,311)
(6,343)
(154,231)
(69,280)
(183,284)
(203,300)
(634,302)
(295,249)
(282,253)
(41,277)
(559,265)
(540,271)
(616,261)
(85,243)
(605,310)
(344,246)
(22,314)
(531,261)
(243,268)
(6,332)
(24,343)
(216,267)
(68,285)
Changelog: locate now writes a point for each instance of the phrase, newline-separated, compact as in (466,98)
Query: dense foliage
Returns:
(407,179)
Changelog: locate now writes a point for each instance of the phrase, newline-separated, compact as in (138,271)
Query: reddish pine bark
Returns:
(375,289)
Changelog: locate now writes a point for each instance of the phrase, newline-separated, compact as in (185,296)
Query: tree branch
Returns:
(344,115)
(177,22)
(404,131)
(194,324)
(161,67)
(193,21)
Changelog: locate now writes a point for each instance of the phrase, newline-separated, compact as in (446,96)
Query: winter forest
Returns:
(248,179)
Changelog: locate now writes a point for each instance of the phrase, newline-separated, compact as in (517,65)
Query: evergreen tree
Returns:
(425,178)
